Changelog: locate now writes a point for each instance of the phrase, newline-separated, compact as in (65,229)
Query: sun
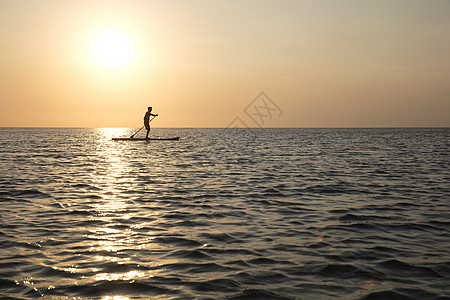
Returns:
(112,49)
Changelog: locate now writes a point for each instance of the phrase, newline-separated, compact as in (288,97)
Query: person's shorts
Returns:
(147,126)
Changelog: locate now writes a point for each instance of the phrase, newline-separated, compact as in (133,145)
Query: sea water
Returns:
(225,213)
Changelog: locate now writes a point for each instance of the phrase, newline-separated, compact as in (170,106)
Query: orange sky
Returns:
(201,63)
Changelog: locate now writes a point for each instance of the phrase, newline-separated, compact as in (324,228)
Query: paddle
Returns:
(131,137)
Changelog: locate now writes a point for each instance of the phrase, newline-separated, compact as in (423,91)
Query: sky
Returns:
(202,63)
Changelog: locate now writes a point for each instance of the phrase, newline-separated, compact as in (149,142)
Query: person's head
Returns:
(149,108)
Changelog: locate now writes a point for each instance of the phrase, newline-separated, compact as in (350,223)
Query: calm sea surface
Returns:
(225,213)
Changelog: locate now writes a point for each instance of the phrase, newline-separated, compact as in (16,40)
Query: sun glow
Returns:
(112,49)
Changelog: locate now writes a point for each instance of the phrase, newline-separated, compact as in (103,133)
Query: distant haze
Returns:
(201,63)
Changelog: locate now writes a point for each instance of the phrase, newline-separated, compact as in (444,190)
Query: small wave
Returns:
(360,218)
(6,283)
(230,252)
(405,227)
(387,295)
(261,277)
(398,268)
(191,254)
(195,268)
(177,241)
(217,285)
(337,258)
(113,267)
(388,250)
(59,273)
(442,224)
(52,242)
(407,204)
(31,193)
(85,186)
(191,224)
(10,244)
(239,263)
(4,235)
(318,245)
(90,196)
(9,287)
(262,261)
(6,199)
(177,215)
(211,216)
(333,189)
(117,287)
(256,294)
(335,270)
(80,212)
(402,294)
(338,270)
(272,192)
(221,237)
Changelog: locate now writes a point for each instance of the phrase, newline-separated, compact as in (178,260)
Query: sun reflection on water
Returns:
(119,276)
(115,298)
(113,209)
(108,133)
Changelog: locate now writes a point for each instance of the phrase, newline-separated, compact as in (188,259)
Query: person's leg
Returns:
(147,126)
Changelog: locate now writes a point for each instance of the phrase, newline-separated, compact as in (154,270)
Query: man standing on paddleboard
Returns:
(147,120)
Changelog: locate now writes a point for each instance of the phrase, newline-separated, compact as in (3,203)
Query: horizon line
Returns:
(195,127)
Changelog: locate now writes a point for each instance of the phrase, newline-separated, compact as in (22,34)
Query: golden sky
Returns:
(200,63)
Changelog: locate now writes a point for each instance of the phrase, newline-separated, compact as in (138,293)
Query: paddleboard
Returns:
(144,139)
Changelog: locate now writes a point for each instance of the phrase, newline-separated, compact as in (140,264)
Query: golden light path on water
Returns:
(114,209)
(115,298)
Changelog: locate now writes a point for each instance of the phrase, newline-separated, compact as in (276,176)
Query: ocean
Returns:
(225,214)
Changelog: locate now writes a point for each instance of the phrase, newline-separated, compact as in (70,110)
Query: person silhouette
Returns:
(147,115)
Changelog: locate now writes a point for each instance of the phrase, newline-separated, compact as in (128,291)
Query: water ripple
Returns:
(225,214)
